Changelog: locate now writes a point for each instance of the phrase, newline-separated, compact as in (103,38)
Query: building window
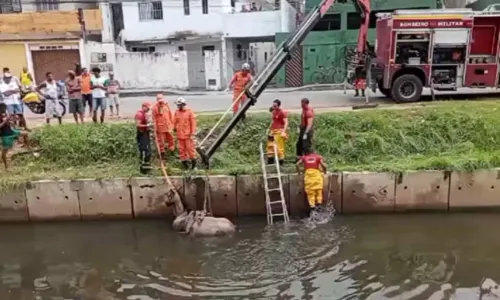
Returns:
(44,5)
(207,48)
(353,20)
(146,49)
(150,11)
(10,6)
(204,6)
(329,22)
(186,7)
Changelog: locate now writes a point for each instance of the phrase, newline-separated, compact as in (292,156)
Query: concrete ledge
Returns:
(422,191)
(14,206)
(251,195)
(365,192)
(52,200)
(105,199)
(479,189)
(243,195)
(150,194)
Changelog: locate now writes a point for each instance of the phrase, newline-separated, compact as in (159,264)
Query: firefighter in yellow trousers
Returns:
(278,130)
(314,167)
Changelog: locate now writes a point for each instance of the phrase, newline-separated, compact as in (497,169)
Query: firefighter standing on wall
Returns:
(185,128)
(238,82)
(162,116)
(142,136)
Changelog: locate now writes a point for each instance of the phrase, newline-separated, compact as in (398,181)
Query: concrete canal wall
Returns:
(232,196)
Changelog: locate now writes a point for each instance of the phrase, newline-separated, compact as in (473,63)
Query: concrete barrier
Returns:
(105,199)
(251,196)
(350,192)
(365,192)
(334,191)
(426,190)
(14,206)
(479,189)
(52,200)
(194,189)
(223,196)
(149,196)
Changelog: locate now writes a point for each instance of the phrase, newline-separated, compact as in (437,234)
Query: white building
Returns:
(192,44)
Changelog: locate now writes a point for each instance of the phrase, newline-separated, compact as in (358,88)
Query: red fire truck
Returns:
(439,49)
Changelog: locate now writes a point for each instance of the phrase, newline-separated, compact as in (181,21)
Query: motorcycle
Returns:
(36,102)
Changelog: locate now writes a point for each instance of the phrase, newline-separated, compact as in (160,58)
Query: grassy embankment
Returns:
(455,136)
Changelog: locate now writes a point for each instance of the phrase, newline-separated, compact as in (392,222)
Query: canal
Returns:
(436,256)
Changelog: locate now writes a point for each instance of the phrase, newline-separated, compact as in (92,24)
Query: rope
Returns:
(207,203)
(173,191)
(222,118)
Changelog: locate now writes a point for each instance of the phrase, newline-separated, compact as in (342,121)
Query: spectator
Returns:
(8,134)
(253,7)
(26,78)
(86,90)
(114,94)
(244,8)
(50,90)
(99,90)
(11,93)
(74,96)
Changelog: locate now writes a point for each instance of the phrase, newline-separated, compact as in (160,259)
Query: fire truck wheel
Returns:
(407,88)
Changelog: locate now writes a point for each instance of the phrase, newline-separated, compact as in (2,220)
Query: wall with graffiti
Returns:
(326,48)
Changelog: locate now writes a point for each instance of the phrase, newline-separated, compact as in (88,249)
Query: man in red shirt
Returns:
(143,136)
(278,129)
(314,167)
(304,139)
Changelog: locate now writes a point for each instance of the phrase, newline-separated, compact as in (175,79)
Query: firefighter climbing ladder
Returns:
(276,176)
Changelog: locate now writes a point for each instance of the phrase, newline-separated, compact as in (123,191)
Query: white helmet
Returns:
(245,66)
(180,101)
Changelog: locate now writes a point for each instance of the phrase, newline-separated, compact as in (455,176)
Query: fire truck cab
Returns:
(439,49)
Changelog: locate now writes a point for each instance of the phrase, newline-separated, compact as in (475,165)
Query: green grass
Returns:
(456,136)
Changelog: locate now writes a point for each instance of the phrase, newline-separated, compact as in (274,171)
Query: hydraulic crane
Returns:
(254,89)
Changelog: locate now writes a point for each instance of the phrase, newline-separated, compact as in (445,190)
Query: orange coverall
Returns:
(185,127)
(162,116)
(240,80)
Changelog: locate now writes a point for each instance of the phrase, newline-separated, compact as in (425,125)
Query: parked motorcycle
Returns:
(36,102)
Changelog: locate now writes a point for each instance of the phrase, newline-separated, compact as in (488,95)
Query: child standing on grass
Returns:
(9,134)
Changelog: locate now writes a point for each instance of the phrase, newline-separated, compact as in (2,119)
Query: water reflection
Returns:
(432,257)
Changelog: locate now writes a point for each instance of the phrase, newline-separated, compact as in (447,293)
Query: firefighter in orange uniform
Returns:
(162,116)
(238,82)
(185,128)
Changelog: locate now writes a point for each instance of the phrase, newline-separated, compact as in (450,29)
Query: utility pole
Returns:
(81,20)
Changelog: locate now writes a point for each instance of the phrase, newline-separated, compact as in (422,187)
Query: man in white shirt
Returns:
(50,91)
(11,96)
(99,90)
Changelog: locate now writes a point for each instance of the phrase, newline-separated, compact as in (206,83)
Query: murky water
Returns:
(357,257)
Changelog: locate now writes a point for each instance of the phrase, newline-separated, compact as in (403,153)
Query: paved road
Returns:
(218,102)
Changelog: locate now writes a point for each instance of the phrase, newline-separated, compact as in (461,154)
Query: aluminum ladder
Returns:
(273,176)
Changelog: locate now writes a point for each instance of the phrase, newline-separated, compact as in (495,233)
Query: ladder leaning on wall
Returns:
(269,177)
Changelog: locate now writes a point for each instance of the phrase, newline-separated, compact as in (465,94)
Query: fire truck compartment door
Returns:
(451,36)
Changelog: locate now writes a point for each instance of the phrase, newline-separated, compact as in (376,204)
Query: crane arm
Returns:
(281,55)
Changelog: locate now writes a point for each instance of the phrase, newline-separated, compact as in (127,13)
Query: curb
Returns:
(306,88)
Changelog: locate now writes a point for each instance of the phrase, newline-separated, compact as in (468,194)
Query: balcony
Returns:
(252,24)
(172,21)
(49,22)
